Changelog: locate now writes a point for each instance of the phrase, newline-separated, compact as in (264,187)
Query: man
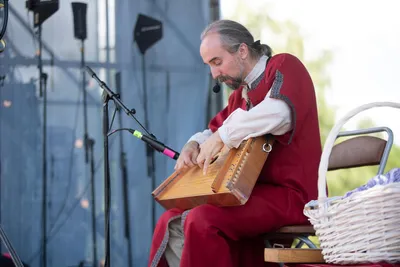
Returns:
(272,95)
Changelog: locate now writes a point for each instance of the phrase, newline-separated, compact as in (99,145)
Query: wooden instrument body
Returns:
(229,181)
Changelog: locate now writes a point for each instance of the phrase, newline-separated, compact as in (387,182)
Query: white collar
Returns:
(256,71)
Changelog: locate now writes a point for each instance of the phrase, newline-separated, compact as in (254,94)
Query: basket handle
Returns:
(323,166)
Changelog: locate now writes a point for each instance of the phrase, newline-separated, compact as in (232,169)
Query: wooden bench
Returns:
(279,253)
(355,152)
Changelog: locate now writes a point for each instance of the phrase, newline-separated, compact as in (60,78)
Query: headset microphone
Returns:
(217,88)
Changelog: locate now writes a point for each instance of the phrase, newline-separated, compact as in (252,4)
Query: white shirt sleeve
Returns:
(200,137)
(269,116)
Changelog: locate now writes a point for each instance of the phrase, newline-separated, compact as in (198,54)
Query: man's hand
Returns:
(187,157)
(208,150)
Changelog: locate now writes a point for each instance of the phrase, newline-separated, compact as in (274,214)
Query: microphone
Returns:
(217,88)
(160,147)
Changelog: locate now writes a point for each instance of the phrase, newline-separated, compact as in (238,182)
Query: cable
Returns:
(51,235)
(3,29)
(117,130)
(3,45)
(63,206)
(69,213)
(70,167)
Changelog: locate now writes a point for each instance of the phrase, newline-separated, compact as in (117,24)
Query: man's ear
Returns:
(243,51)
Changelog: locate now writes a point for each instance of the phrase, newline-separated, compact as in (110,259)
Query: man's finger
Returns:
(200,157)
(179,161)
(180,164)
(186,158)
(206,164)
(194,157)
(200,163)
(177,166)
(190,163)
(181,167)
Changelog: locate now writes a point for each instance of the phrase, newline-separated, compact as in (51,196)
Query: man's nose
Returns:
(215,73)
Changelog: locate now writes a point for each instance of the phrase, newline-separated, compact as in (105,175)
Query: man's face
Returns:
(225,67)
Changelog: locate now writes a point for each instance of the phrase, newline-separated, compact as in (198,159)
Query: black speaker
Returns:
(147,32)
(31,4)
(79,11)
(42,10)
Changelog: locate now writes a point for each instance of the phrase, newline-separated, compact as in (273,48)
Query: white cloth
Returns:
(269,116)
(257,70)
(200,137)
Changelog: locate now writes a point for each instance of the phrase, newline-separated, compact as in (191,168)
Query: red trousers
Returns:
(230,236)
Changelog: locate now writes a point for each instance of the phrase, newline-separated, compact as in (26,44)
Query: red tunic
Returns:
(230,236)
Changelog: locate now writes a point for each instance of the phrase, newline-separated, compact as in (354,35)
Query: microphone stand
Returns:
(14,256)
(106,97)
(149,152)
(43,92)
(125,184)
(85,123)
(90,144)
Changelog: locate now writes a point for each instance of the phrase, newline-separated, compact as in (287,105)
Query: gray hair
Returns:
(234,34)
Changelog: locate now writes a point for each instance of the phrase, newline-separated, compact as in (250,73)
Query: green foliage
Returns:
(286,37)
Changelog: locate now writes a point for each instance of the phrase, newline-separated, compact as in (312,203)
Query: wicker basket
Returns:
(363,227)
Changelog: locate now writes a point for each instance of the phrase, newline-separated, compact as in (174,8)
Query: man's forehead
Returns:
(212,39)
(211,47)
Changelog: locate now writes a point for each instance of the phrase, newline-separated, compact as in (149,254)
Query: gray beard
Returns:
(235,82)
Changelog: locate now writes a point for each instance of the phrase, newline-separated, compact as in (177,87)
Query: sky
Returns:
(364,37)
